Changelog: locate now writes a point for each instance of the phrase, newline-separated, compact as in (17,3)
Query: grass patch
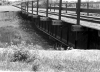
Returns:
(27,57)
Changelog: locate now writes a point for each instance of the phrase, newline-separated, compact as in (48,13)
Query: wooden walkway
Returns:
(89,24)
(42,12)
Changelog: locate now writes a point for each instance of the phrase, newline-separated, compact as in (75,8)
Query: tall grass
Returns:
(14,55)
(27,57)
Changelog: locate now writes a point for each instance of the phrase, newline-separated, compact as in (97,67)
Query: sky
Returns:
(12,0)
(66,0)
(82,0)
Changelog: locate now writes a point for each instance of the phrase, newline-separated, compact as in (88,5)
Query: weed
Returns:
(20,56)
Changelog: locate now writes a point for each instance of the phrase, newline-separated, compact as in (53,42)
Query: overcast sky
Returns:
(81,0)
(65,0)
(12,0)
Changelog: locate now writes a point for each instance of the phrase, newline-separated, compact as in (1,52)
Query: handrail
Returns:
(74,9)
(67,7)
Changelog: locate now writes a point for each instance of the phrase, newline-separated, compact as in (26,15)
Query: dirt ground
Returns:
(14,29)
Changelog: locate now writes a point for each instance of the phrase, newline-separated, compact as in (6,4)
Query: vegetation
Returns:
(24,57)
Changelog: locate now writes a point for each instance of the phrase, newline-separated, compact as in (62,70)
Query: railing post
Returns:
(47,9)
(76,8)
(54,7)
(27,6)
(60,8)
(87,8)
(37,6)
(21,6)
(78,20)
(32,7)
(66,7)
(50,7)
(78,12)
(24,6)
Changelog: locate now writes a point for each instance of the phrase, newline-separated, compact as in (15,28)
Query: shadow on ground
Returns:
(17,29)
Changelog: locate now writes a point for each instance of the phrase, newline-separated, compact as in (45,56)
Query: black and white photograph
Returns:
(49,35)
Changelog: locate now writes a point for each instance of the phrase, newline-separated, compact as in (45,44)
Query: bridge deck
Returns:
(89,24)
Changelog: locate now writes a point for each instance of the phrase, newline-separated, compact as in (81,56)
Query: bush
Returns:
(20,56)
(21,52)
